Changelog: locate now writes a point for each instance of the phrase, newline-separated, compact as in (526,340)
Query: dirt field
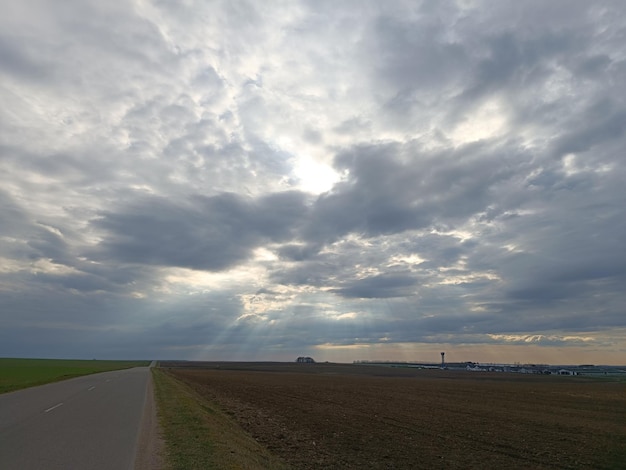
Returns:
(344,416)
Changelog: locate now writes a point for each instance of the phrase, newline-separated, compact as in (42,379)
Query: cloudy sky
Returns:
(348,180)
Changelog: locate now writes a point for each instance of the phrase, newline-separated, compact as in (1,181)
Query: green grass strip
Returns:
(198,435)
(16,374)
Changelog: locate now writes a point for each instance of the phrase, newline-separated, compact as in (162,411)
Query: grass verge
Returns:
(198,435)
(16,374)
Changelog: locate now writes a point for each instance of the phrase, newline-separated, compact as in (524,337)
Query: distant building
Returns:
(305,360)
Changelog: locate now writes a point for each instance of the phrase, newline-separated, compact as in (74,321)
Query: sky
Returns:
(346,180)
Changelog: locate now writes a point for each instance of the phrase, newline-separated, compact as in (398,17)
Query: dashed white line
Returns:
(52,408)
(90,389)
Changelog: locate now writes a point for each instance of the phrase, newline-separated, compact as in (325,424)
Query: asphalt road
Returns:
(89,423)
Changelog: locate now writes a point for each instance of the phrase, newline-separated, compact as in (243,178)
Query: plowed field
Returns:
(325,416)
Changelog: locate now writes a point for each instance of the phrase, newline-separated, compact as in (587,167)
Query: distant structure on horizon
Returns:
(305,360)
(443,361)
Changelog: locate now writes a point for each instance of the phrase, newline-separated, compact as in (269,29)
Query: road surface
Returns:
(90,422)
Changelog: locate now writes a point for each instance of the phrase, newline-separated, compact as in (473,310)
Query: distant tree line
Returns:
(305,360)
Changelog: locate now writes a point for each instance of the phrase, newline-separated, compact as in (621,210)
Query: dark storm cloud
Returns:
(392,188)
(212,233)
(601,123)
(516,62)
(18,62)
(378,286)
(49,257)
(12,217)
(79,282)
(27,238)
(415,57)
(294,252)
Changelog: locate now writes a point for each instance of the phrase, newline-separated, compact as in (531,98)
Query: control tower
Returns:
(443,360)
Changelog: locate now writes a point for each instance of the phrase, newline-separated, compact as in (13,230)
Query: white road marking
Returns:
(55,406)
(90,389)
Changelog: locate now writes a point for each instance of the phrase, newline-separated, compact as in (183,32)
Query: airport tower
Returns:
(443,361)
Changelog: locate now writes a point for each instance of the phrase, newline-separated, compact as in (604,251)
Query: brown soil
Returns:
(343,416)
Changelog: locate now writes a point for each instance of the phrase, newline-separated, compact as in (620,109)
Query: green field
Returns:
(22,373)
